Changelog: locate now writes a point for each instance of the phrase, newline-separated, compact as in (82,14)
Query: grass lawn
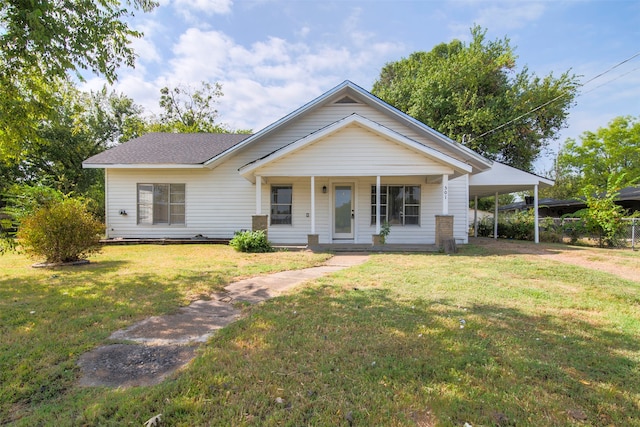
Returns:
(427,340)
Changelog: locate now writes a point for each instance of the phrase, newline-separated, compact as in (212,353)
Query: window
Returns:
(161,204)
(399,204)
(281,198)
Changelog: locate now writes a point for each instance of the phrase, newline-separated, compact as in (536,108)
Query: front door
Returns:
(343,214)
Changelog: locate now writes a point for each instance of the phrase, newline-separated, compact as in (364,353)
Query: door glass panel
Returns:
(343,208)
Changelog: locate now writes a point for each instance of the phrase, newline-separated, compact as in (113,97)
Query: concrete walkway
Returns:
(155,347)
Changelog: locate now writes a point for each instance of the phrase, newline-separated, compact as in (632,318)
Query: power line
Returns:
(533,110)
(609,81)
(611,69)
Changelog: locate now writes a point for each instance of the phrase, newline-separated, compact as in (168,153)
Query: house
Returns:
(332,171)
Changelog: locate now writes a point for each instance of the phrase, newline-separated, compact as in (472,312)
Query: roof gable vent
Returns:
(346,100)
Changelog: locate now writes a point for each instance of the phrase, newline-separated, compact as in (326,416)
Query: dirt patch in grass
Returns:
(123,365)
(623,263)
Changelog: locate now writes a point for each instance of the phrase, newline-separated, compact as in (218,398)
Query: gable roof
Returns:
(355,93)
(166,150)
(365,123)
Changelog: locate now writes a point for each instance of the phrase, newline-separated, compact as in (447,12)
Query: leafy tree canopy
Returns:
(79,125)
(601,157)
(41,41)
(473,93)
(189,110)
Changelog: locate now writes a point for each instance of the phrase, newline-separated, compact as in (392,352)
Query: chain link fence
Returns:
(572,231)
(558,230)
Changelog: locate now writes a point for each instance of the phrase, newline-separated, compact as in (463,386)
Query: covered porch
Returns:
(338,211)
(340,184)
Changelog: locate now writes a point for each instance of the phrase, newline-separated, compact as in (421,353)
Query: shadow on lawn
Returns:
(339,355)
(360,357)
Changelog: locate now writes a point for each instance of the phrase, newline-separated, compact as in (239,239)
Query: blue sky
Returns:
(272,56)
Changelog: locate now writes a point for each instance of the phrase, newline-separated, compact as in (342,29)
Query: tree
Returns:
(79,125)
(472,93)
(41,42)
(189,110)
(601,156)
(603,216)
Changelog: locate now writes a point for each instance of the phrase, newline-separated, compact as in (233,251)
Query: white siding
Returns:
(220,201)
(329,114)
(216,205)
(459,207)
(353,151)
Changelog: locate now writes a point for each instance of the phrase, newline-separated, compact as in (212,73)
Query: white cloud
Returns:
(200,55)
(208,7)
(509,15)
(269,78)
(303,32)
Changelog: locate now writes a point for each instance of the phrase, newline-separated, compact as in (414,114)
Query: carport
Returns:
(503,179)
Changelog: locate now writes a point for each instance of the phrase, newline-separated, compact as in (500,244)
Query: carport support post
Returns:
(495,218)
(536,227)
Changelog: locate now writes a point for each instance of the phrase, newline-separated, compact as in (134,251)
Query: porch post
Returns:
(445,194)
(378,204)
(495,218)
(313,205)
(258,195)
(475,217)
(536,227)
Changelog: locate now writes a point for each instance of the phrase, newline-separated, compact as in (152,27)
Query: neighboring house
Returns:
(628,198)
(330,172)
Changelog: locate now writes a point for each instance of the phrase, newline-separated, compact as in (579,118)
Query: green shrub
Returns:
(485,227)
(60,232)
(251,241)
(385,229)
(550,232)
(574,229)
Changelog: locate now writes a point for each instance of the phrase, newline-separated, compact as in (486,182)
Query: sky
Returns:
(273,56)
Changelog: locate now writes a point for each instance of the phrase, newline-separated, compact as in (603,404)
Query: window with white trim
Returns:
(161,204)
(281,204)
(399,204)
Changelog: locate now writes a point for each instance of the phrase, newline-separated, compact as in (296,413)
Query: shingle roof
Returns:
(168,148)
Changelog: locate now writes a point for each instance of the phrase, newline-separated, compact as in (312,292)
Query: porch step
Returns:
(342,248)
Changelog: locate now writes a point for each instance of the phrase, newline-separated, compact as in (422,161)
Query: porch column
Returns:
(258,195)
(495,218)
(536,227)
(378,204)
(259,221)
(445,194)
(313,205)
(475,217)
